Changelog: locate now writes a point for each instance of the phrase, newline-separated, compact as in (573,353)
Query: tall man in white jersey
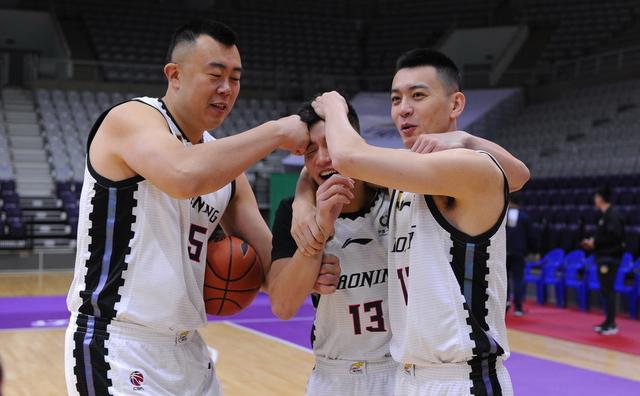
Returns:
(447,250)
(155,187)
(350,334)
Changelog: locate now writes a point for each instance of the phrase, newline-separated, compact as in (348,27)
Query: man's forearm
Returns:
(291,282)
(516,171)
(305,190)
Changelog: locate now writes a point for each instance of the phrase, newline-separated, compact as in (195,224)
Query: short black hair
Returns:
(446,68)
(189,32)
(310,117)
(605,193)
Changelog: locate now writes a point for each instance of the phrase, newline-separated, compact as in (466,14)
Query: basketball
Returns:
(233,276)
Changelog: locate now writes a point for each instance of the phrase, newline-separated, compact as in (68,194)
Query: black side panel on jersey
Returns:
(110,234)
(97,232)
(111,231)
(90,368)
(315,300)
(122,235)
(283,245)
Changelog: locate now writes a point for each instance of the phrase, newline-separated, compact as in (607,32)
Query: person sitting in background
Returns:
(608,246)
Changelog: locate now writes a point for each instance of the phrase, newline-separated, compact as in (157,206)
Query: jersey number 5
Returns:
(377,318)
(195,244)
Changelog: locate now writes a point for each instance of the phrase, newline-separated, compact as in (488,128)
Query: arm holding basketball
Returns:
(242,218)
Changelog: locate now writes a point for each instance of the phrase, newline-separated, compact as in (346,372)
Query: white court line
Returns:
(268,336)
(267,320)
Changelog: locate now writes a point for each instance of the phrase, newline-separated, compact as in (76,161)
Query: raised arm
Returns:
(304,229)
(458,173)
(134,140)
(516,171)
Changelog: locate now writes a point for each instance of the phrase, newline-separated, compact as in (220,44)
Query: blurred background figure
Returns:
(608,246)
(521,240)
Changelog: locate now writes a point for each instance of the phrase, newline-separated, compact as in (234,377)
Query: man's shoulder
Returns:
(133,115)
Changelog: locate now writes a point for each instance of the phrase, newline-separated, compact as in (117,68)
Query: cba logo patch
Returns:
(357,368)
(136,378)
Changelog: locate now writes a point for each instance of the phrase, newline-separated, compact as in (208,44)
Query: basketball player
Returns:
(155,187)
(350,334)
(447,250)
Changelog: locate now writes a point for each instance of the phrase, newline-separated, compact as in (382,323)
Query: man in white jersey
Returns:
(152,196)
(350,335)
(447,250)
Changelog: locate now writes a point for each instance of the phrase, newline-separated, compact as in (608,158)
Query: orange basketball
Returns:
(233,276)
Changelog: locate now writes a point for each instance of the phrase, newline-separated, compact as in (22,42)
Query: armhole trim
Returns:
(103,181)
(462,236)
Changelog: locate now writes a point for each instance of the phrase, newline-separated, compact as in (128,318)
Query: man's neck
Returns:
(193,133)
(605,207)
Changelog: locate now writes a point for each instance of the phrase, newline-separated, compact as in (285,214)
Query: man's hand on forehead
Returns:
(329,101)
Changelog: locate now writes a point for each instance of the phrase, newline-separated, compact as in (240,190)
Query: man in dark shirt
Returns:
(520,241)
(608,246)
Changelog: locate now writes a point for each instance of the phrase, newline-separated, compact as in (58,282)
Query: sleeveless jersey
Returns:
(353,322)
(141,254)
(447,290)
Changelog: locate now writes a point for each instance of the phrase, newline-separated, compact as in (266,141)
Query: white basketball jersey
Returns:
(447,290)
(353,323)
(141,254)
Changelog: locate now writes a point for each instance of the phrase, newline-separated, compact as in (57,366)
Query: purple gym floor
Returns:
(531,376)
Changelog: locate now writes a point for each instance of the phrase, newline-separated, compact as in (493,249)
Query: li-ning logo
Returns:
(359,241)
(136,378)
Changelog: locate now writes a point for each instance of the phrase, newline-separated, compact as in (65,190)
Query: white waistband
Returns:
(443,371)
(354,367)
(133,331)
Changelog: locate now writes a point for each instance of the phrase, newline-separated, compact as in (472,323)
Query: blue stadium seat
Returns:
(553,275)
(575,277)
(534,272)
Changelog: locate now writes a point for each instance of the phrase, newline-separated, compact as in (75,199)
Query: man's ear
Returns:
(458,104)
(172,72)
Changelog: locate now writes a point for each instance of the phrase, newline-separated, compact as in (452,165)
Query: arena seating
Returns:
(578,27)
(576,273)
(583,131)
(306,40)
